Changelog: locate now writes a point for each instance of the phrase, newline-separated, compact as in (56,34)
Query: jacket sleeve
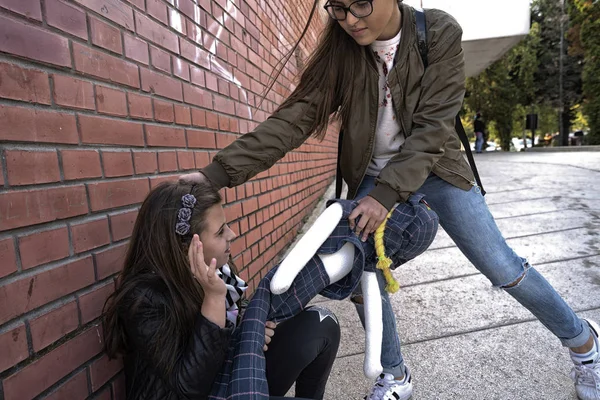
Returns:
(257,151)
(442,93)
(201,360)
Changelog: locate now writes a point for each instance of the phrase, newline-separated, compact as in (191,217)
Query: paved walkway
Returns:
(465,340)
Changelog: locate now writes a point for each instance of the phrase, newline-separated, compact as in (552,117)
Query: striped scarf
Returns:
(235,289)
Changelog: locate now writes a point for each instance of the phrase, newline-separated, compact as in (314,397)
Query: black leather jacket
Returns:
(195,369)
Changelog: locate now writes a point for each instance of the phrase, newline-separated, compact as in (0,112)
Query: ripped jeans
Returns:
(464,215)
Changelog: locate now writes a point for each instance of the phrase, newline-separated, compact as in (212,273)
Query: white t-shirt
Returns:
(388,135)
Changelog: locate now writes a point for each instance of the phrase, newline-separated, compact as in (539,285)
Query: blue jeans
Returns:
(464,215)
(479,143)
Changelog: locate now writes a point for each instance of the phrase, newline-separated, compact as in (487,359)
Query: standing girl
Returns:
(397,120)
(175,307)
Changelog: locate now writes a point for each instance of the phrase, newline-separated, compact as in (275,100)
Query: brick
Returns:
(111,194)
(182,115)
(48,328)
(67,18)
(111,101)
(117,163)
(211,81)
(102,370)
(224,140)
(80,164)
(44,372)
(185,160)
(115,10)
(89,235)
(223,123)
(73,92)
(31,167)
(198,117)
(201,158)
(197,76)
(28,8)
(105,66)
(33,125)
(145,162)
(106,36)
(91,303)
(32,292)
(8,257)
(200,139)
(104,394)
(156,33)
(181,68)
(139,106)
(212,120)
(13,347)
(196,96)
(136,49)
(164,136)
(76,388)
(121,225)
(167,161)
(194,53)
(194,32)
(24,84)
(177,21)
(24,208)
(163,111)
(158,10)
(224,105)
(160,59)
(109,262)
(138,3)
(161,85)
(34,43)
(157,180)
(189,8)
(43,247)
(99,130)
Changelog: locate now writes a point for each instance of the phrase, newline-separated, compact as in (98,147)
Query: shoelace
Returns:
(380,388)
(586,375)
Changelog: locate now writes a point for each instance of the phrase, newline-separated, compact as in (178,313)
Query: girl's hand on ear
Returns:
(212,284)
(269,332)
(372,214)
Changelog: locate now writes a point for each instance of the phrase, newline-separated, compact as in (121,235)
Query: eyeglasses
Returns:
(360,9)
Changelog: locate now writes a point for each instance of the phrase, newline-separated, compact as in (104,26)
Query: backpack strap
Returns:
(338,173)
(460,130)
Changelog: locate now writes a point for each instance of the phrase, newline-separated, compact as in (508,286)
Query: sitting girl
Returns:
(175,307)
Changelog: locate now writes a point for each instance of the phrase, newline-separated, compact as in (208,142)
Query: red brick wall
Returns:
(100,100)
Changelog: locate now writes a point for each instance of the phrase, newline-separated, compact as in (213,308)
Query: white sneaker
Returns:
(387,388)
(587,376)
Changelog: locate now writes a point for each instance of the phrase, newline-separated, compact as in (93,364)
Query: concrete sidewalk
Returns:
(465,340)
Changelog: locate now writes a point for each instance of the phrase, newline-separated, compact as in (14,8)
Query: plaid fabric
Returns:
(409,232)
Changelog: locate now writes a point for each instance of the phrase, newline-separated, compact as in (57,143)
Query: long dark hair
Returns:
(332,71)
(157,259)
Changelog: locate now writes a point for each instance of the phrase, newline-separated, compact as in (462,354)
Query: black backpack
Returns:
(460,130)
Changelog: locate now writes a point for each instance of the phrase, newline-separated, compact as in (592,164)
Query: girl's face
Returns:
(217,236)
(383,23)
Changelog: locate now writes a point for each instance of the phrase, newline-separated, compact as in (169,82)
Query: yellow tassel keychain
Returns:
(384,262)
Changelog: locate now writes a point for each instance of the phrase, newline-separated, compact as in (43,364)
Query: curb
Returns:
(562,149)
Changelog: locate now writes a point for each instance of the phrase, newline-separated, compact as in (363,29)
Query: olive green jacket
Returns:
(426,103)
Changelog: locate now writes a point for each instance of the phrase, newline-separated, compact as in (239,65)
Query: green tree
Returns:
(548,14)
(585,34)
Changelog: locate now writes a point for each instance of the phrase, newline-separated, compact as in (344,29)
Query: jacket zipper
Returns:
(473,183)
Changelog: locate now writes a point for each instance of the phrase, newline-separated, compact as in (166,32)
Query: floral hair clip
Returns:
(188,201)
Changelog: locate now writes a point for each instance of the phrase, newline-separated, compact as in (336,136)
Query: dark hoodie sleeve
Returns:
(202,357)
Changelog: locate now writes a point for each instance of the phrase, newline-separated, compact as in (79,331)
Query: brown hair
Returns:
(330,76)
(157,260)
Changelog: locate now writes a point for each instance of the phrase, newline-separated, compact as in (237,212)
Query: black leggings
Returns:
(303,350)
